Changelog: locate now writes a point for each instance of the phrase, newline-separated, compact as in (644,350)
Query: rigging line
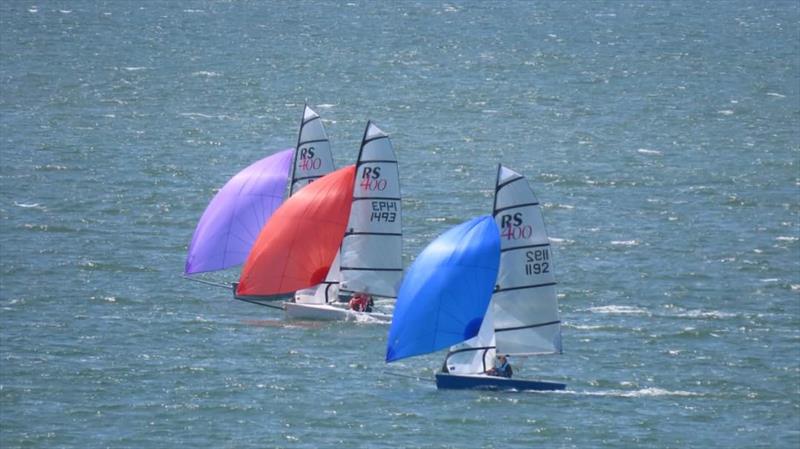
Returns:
(251,301)
(207,282)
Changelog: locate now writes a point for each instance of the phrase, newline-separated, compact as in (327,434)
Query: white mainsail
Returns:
(524,303)
(312,157)
(371,252)
(522,318)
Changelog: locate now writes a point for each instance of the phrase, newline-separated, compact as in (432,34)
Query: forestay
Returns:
(524,303)
(313,157)
(371,251)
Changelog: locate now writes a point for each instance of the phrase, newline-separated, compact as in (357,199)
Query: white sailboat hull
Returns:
(326,312)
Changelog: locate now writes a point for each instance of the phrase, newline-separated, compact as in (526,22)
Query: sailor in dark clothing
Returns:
(501,368)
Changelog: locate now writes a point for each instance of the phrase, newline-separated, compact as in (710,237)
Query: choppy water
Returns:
(663,137)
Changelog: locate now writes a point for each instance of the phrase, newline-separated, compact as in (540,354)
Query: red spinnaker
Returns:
(296,247)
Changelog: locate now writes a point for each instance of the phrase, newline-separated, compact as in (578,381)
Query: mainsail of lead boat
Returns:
(233,219)
(296,247)
(522,319)
(445,293)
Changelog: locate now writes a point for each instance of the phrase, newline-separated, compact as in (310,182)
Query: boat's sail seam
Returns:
(500,186)
(530,326)
(540,245)
(305,142)
(500,290)
(384,198)
(516,206)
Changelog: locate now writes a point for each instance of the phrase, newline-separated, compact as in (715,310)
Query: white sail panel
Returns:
(372,246)
(313,157)
(475,355)
(524,303)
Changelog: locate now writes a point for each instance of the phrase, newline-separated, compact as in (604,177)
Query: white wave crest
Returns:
(625,242)
(648,151)
(618,310)
(640,393)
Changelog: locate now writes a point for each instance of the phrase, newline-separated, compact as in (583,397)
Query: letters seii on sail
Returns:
(233,219)
(369,259)
(512,311)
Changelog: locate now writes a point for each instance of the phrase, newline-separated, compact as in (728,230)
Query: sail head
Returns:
(313,158)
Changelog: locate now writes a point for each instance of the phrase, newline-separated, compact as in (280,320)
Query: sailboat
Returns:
(233,219)
(513,312)
(370,257)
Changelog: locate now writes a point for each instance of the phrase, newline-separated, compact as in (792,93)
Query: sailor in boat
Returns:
(501,367)
(361,302)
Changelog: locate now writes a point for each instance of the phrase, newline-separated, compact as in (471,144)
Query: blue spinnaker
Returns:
(446,291)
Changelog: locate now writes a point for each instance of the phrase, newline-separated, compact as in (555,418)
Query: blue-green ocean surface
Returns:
(663,139)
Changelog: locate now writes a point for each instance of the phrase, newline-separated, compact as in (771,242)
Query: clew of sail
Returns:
(524,302)
(446,291)
(371,251)
(297,246)
(232,220)
(313,158)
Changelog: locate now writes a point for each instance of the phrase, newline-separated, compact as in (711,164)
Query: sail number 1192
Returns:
(537,261)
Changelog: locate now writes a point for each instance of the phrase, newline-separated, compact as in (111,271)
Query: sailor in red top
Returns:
(361,302)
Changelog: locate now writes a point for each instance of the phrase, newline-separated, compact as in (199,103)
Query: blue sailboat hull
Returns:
(445,381)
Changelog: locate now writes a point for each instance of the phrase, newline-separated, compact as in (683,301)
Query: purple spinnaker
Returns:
(232,221)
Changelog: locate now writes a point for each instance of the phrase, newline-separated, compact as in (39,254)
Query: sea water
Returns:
(662,139)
